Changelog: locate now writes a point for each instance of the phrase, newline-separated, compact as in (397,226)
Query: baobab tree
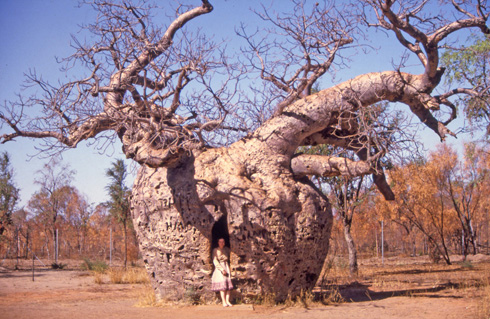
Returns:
(209,168)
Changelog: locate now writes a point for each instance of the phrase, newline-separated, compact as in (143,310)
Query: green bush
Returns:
(192,296)
(97,266)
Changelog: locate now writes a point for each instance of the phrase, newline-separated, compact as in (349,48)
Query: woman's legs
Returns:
(223,297)
(227,294)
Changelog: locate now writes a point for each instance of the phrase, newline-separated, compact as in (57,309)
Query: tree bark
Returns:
(125,229)
(351,247)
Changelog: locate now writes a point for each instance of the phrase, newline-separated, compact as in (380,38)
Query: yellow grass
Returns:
(98,277)
(484,304)
(128,276)
(122,276)
(147,297)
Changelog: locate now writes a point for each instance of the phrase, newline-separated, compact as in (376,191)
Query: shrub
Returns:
(467,264)
(192,296)
(97,266)
(57,266)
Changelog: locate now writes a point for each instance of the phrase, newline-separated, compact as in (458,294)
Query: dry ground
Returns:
(401,288)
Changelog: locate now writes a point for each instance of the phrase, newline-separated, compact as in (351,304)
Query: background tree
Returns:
(465,183)
(202,166)
(77,218)
(349,194)
(9,194)
(51,201)
(22,233)
(119,206)
(391,212)
(484,217)
(388,134)
(421,200)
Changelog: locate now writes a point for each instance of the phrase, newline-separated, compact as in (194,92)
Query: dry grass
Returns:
(305,299)
(128,276)
(397,276)
(333,297)
(267,299)
(147,297)
(121,276)
(98,277)
(484,303)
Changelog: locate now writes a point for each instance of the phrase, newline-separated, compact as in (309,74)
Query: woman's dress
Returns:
(220,282)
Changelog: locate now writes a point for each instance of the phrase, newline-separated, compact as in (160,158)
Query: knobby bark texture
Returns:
(278,227)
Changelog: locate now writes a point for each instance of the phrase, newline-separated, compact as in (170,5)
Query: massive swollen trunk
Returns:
(278,227)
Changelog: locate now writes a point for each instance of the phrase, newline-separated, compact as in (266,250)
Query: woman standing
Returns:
(221,280)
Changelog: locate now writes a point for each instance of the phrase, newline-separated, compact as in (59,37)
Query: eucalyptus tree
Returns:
(180,106)
(9,193)
(465,184)
(118,203)
(348,195)
(51,202)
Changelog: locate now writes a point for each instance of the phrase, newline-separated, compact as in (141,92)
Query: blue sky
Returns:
(34,32)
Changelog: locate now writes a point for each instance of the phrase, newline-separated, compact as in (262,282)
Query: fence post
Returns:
(382,244)
(110,247)
(32,265)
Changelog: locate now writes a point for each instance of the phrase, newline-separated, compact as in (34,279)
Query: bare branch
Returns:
(429,38)
(309,53)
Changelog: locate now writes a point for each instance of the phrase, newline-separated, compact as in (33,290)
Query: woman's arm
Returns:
(216,261)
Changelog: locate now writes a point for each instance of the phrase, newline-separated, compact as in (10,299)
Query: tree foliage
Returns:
(465,184)
(119,193)
(9,193)
(469,66)
(82,234)
(442,197)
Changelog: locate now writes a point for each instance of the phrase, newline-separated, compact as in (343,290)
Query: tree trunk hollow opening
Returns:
(220,230)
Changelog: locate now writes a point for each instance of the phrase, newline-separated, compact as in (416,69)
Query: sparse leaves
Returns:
(469,66)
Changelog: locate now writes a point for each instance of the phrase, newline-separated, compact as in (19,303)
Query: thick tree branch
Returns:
(328,166)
